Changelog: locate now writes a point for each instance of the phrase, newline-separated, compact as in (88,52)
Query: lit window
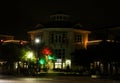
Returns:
(51,40)
(78,37)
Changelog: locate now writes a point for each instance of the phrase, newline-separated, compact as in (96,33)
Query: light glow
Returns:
(58,60)
(46,51)
(37,40)
(68,61)
(42,61)
(30,55)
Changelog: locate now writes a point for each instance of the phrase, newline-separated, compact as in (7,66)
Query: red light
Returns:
(46,51)
(1,41)
(21,43)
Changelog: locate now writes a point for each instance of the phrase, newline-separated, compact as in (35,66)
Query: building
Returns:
(108,33)
(6,37)
(5,40)
(62,37)
(106,43)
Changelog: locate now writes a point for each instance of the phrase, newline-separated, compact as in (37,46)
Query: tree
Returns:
(107,53)
(80,58)
(11,53)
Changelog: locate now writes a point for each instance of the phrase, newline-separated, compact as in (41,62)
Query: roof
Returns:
(58,24)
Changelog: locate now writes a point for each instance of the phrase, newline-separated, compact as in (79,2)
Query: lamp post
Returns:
(29,57)
(37,42)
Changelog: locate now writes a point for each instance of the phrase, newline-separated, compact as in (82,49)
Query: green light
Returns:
(49,57)
(28,55)
(53,57)
(42,61)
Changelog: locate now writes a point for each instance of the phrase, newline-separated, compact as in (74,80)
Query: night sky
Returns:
(19,16)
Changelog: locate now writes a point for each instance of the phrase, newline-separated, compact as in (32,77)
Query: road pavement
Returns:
(54,79)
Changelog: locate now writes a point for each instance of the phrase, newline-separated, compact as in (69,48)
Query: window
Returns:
(51,38)
(64,38)
(78,37)
(60,53)
(58,37)
(63,52)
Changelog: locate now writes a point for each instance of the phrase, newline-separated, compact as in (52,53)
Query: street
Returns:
(53,79)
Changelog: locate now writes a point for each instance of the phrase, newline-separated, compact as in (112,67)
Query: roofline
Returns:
(41,30)
(6,35)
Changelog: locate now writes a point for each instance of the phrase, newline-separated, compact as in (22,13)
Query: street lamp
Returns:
(30,55)
(37,42)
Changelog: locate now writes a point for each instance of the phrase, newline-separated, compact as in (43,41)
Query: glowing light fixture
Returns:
(37,40)
(30,55)
(46,51)
(42,61)
(50,57)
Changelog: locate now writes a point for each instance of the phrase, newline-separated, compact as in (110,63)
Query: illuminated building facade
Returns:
(62,37)
(6,37)
(106,42)
(109,34)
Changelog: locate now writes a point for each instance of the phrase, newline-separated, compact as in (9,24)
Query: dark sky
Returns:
(17,16)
